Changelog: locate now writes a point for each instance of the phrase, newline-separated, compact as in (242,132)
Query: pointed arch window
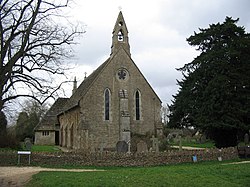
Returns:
(107,104)
(137,105)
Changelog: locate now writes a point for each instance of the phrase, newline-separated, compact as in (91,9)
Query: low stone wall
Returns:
(8,158)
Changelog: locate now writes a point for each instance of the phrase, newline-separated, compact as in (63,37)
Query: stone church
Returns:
(110,105)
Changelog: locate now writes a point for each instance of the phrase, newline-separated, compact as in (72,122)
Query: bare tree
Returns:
(34,44)
(32,106)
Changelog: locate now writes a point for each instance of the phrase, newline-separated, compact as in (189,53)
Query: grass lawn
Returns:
(44,148)
(203,145)
(193,143)
(189,174)
(35,148)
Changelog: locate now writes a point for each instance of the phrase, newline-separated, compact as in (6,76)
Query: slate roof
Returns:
(50,119)
(83,88)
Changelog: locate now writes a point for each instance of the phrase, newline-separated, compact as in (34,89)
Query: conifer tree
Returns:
(214,94)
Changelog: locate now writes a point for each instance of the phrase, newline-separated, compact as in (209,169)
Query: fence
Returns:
(8,158)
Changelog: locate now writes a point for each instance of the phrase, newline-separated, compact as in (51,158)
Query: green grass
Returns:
(191,174)
(243,144)
(203,145)
(34,148)
(208,144)
(44,148)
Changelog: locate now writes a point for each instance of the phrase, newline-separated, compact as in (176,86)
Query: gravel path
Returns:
(19,176)
(242,162)
(188,148)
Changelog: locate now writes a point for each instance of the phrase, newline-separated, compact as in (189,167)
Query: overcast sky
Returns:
(157,34)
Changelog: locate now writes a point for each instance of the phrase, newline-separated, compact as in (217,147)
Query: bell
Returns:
(120,37)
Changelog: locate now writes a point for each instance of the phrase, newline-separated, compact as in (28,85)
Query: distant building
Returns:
(110,105)
(47,131)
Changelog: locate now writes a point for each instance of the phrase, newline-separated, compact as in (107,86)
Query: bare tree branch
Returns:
(33,47)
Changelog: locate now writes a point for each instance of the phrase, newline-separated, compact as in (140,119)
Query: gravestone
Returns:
(246,139)
(129,146)
(219,158)
(169,137)
(122,147)
(142,147)
(27,144)
(103,144)
(188,139)
(155,144)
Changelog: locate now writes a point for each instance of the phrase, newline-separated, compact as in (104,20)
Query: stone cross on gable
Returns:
(155,144)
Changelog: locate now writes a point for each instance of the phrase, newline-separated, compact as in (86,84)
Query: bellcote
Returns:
(120,35)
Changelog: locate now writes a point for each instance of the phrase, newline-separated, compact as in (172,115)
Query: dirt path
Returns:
(188,148)
(19,176)
(242,162)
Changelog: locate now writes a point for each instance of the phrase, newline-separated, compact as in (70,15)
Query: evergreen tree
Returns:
(6,139)
(3,124)
(33,121)
(21,125)
(30,116)
(214,94)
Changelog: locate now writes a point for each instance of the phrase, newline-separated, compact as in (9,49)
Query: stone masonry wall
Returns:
(44,140)
(106,133)
(117,159)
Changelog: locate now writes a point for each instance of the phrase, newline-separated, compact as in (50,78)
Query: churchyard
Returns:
(125,155)
(146,164)
(172,167)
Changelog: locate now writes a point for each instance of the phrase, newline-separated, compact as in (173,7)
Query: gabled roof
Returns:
(86,84)
(73,101)
(83,88)
(50,119)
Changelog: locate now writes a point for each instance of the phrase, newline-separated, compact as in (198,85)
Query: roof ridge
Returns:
(84,86)
(52,113)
